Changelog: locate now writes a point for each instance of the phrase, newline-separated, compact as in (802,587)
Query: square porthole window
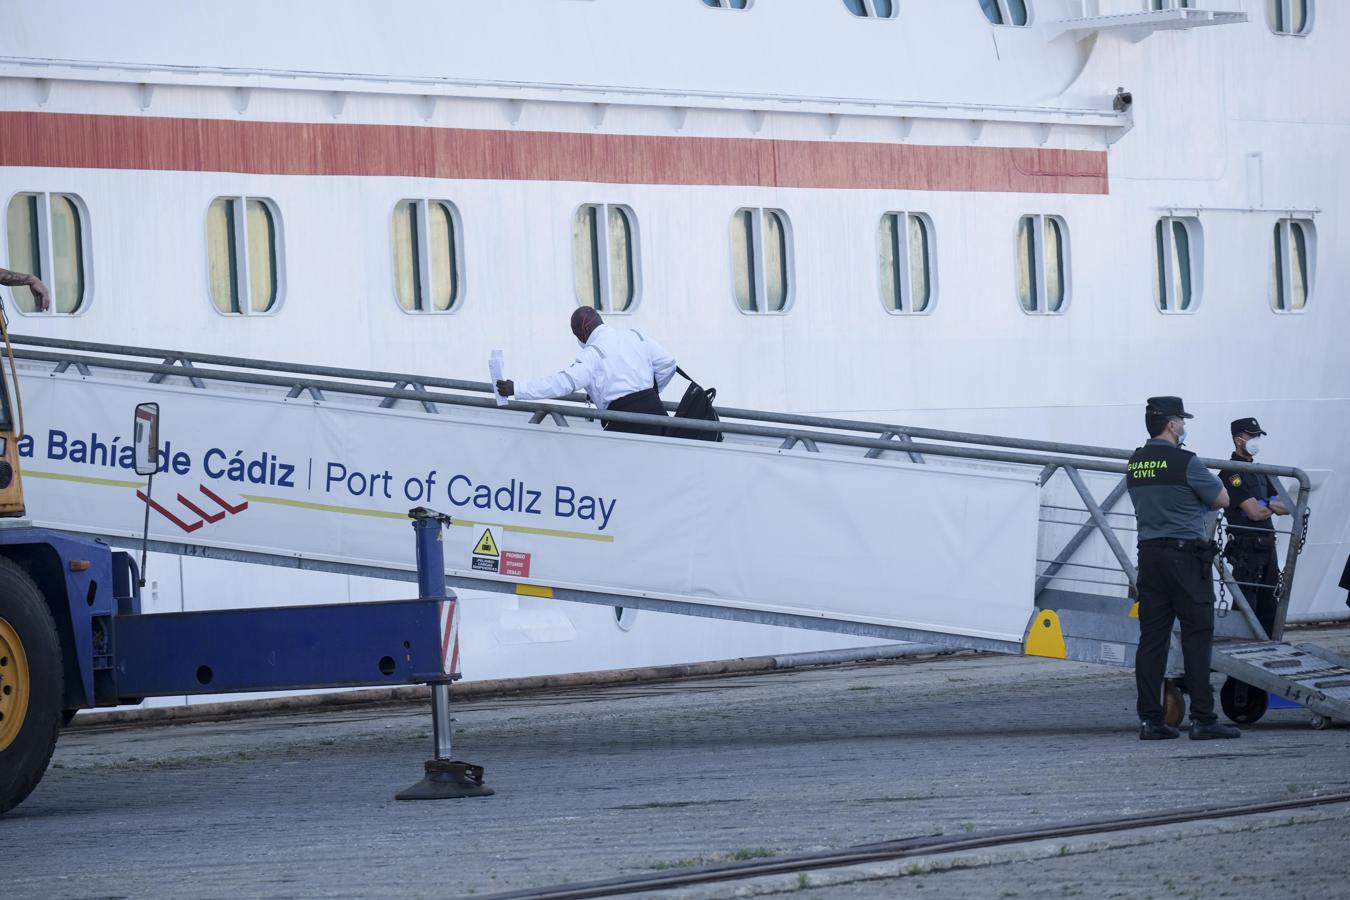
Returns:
(1171,4)
(1291,275)
(243,251)
(905,250)
(761,260)
(1178,264)
(428,270)
(605,256)
(872,9)
(1006,12)
(48,236)
(1042,264)
(1294,17)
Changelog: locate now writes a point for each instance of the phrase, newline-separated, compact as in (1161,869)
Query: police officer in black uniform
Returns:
(1252,503)
(1173,492)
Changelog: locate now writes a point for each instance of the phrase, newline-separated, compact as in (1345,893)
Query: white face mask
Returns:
(1253,446)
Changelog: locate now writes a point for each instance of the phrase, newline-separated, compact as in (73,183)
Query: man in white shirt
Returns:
(621,371)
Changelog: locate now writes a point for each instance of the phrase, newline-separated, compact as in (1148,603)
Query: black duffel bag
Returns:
(697,403)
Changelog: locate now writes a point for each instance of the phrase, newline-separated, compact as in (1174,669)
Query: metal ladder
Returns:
(1311,676)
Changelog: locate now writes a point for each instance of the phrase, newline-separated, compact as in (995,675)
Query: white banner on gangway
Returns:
(848,539)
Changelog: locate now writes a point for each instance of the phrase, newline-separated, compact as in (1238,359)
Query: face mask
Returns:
(1181,438)
(1254,446)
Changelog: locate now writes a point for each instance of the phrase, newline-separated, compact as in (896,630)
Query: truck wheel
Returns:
(1243,703)
(30,685)
(1174,704)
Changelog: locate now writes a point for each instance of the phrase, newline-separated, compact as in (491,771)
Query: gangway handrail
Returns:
(266,365)
(799,420)
(810,432)
(818,437)
(1041,459)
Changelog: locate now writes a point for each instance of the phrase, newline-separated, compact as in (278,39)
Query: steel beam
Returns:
(632,601)
(1239,599)
(1090,502)
(1080,537)
(280,648)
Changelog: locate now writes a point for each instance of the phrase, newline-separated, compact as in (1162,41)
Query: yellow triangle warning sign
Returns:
(486,546)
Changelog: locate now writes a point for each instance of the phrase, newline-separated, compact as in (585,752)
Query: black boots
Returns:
(1200,731)
(1213,731)
(1157,731)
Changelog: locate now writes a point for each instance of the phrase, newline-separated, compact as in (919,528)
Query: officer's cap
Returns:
(1168,406)
(1245,426)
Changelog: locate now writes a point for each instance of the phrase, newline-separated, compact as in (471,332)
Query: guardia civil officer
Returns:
(624,371)
(1172,492)
(1252,503)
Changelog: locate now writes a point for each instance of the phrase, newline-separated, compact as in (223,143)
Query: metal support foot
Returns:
(448,779)
(445,778)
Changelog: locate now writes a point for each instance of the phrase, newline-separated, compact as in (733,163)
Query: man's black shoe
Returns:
(1213,731)
(1157,731)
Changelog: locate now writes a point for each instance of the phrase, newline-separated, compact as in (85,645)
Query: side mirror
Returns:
(146,429)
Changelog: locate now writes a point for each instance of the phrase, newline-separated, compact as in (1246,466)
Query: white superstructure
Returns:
(928,218)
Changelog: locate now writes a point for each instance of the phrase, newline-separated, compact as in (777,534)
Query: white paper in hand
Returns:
(495,367)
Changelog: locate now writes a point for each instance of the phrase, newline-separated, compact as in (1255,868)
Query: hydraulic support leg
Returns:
(445,778)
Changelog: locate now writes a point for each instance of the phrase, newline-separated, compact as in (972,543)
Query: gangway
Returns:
(791,521)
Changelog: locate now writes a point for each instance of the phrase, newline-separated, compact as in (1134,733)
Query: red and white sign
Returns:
(515,565)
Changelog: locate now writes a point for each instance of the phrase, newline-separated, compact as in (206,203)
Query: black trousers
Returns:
(1345,581)
(1174,586)
(1255,565)
(648,403)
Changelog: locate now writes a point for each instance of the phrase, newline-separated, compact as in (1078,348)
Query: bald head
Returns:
(584,321)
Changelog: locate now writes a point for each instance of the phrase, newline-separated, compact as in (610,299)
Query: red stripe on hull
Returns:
(71,141)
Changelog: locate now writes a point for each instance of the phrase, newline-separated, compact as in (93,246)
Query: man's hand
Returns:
(41,296)
(1256,510)
(506,387)
(1276,505)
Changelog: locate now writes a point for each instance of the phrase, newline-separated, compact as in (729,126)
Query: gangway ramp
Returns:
(793,520)
(1306,674)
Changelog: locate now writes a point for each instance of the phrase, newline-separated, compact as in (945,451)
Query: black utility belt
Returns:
(1252,542)
(1186,545)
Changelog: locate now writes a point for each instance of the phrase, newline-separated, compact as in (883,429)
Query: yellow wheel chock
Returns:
(1045,637)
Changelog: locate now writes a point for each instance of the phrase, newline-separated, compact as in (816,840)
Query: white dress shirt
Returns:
(612,364)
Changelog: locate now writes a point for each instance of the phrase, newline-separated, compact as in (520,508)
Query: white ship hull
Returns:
(519,114)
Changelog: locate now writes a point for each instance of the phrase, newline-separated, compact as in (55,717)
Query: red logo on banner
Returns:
(203,516)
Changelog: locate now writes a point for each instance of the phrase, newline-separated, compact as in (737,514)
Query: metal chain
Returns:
(1292,554)
(1221,538)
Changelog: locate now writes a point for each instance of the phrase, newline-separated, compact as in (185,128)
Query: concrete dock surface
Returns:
(606,782)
